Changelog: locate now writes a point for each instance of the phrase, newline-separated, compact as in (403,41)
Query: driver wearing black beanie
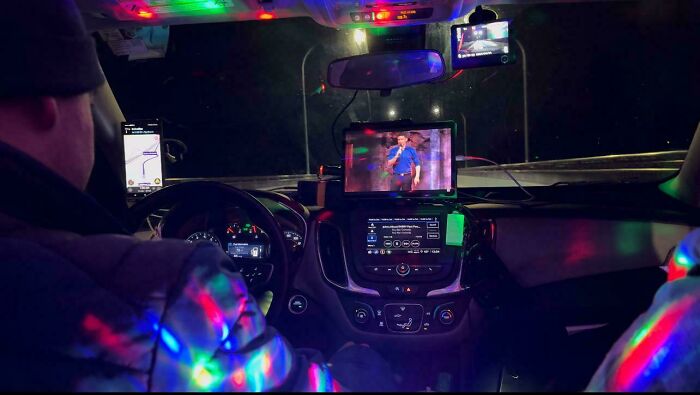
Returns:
(45,50)
(83,307)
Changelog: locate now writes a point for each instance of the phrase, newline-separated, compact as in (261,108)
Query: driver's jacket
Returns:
(84,308)
(110,312)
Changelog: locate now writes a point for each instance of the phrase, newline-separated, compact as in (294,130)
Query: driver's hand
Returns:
(350,344)
(264,301)
(416,180)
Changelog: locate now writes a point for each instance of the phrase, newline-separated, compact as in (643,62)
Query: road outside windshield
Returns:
(591,79)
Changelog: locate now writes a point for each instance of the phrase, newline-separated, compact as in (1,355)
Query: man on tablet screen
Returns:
(400,158)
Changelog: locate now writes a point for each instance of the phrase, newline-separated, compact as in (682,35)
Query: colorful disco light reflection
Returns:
(105,336)
(647,353)
(320,380)
(680,263)
(230,367)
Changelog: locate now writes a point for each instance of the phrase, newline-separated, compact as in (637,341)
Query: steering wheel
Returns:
(214,195)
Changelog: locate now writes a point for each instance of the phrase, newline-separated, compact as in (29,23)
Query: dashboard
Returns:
(421,275)
(413,274)
(392,270)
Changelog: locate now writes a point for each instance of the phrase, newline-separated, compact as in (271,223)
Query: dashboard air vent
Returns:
(330,245)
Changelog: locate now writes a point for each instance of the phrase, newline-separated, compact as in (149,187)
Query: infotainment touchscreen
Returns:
(404,235)
(415,161)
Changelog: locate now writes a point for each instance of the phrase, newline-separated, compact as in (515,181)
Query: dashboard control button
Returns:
(362,313)
(415,243)
(298,304)
(387,243)
(361,316)
(432,269)
(397,243)
(409,290)
(396,290)
(403,269)
(406,243)
(405,318)
(446,317)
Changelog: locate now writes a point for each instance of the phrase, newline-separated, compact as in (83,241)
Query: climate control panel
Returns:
(406,317)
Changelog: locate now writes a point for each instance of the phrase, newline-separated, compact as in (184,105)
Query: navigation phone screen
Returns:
(142,156)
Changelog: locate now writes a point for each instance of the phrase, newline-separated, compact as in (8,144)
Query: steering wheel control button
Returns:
(446,317)
(298,304)
(256,273)
(403,318)
(403,269)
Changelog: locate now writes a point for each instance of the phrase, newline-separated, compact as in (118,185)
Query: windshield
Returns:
(591,79)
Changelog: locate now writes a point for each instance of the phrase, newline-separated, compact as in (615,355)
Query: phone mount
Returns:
(481,15)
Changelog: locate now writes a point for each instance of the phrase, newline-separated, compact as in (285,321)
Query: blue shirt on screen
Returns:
(403,164)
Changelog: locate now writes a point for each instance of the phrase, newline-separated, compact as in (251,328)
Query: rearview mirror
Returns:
(386,71)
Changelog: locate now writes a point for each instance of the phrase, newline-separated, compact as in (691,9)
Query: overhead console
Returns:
(331,13)
(373,13)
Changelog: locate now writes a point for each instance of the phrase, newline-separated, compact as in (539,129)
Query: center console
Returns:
(401,266)
(393,246)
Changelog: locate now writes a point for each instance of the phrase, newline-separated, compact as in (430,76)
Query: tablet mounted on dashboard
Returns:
(399,160)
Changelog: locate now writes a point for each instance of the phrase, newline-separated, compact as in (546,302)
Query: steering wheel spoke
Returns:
(257,275)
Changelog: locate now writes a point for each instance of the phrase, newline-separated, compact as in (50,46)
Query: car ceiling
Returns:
(101,14)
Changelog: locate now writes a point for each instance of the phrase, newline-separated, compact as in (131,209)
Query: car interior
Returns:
(466,270)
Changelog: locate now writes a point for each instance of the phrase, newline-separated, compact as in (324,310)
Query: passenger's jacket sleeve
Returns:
(659,352)
(214,337)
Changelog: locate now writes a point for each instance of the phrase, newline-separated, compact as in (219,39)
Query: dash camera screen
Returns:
(482,45)
(482,40)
